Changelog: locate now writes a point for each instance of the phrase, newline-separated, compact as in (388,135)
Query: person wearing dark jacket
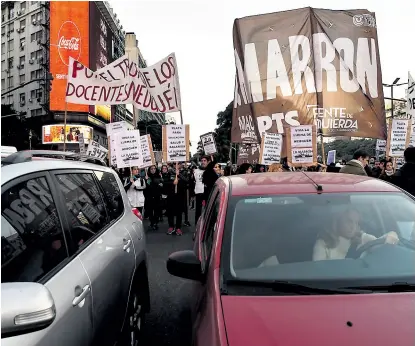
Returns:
(176,199)
(404,177)
(153,196)
(209,178)
(387,172)
(357,165)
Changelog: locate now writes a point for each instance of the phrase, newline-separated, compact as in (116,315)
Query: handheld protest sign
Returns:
(271,146)
(301,144)
(399,136)
(176,143)
(208,143)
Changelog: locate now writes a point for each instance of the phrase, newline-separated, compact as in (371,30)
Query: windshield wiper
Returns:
(292,287)
(391,288)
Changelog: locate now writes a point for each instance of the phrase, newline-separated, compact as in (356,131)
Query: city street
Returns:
(168,323)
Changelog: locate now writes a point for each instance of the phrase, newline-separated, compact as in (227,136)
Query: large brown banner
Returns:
(248,154)
(308,66)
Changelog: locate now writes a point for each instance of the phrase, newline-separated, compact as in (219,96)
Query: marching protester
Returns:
(153,196)
(404,177)
(245,168)
(218,169)
(165,176)
(357,165)
(184,171)
(176,200)
(192,184)
(209,179)
(134,186)
(199,187)
(387,172)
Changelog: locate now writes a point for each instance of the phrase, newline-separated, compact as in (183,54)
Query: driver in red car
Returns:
(345,238)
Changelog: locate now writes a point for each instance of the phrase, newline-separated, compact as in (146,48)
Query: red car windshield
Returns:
(320,237)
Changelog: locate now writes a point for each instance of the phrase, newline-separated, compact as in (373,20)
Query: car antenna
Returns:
(318,187)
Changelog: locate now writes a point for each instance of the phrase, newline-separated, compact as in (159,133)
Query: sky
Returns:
(200,33)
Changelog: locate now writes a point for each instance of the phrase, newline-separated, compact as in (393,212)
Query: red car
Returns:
(303,258)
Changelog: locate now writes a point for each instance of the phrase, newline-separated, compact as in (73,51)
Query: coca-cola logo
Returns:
(69,42)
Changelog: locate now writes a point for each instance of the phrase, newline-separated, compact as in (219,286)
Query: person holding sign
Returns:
(154,188)
(134,186)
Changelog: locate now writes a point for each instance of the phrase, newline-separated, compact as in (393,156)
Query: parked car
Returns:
(74,262)
(267,271)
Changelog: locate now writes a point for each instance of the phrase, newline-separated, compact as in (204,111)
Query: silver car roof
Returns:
(10,172)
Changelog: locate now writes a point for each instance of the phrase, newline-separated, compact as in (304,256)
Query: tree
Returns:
(199,152)
(19,131)
(154,129)
(346,149)
(223,133)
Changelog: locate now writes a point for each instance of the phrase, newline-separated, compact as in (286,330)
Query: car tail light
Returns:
(137,213)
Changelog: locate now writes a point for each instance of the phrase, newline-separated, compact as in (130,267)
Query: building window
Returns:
(36,74)
(36,17)
(22,43)
(3,65)
(3,48)
(36,112)
(33,3)
(11,27)
(10,45)
(36,94)
(23,6)
(3,30)
(10,82)
(22,97)
(22,78)
(3,84)
(36,55)
(22,61)
(11,13)
(36,36)
(10,63)
(22,25)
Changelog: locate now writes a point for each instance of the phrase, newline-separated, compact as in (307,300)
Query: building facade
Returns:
(37,40)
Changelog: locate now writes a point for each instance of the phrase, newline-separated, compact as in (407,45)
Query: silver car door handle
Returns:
(78,299)
(127,245)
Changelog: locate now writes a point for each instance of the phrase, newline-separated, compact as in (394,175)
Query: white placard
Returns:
(208,142)
(381,145)
(158,156)
(398,137)
(146,151)
(303,155)
(82,151)
(271,148)
(153,89)
(128,149)
(176,143)
(112,129)
(96,150)
(301,136)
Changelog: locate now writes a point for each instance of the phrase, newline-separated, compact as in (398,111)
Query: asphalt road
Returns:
(168,323)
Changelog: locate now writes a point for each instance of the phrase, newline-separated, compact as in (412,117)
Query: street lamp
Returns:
(394,84)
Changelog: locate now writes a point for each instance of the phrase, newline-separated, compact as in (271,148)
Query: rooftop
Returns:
(299,182)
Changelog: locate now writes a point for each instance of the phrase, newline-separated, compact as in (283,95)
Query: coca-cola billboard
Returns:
(69,37)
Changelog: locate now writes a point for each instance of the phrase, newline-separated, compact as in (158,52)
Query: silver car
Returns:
(74,262)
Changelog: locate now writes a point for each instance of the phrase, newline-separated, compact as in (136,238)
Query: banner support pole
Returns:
(64,126)
(322,150)
(181,117)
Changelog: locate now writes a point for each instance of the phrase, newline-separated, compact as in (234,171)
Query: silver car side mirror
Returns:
(25,307)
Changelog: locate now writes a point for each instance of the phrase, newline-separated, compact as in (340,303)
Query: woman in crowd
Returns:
(209,178)
(344,238)
(245,168)
(154,188)
(275,167)
(218,169)
(165,190)
(387,172)
(134,186)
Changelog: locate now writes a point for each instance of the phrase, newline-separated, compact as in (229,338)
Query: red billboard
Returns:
(69,37)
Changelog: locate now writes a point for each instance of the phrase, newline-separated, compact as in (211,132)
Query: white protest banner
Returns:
(398,137)
(381,145)
(270,151)
(410,104)
(147,151)
(96,150)
(301,136)
(154,89)
(112,129)
(175,143)
(208,142)
(128,149)
(82,151)
(301,144)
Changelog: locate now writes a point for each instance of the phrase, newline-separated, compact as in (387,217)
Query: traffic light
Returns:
(50,79)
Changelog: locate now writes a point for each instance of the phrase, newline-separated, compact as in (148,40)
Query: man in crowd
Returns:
(404,177)
(357,165)
(199,186)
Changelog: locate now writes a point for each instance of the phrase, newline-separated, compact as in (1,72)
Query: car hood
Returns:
(335,320)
